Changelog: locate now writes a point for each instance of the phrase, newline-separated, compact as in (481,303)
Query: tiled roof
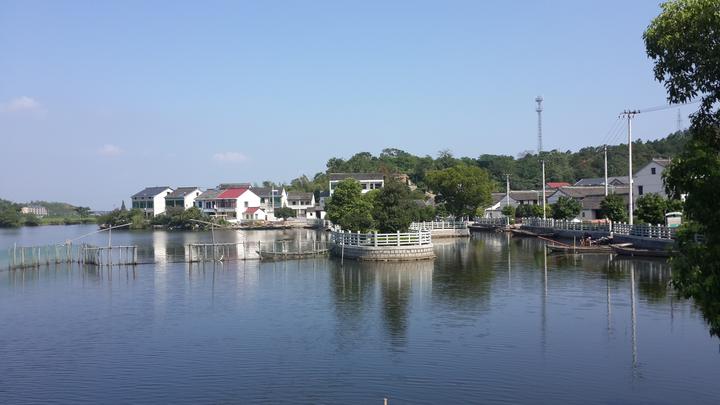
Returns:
(518,195)
(252,210)
(210,194)
(223,186)
(295,195)
(600,181)
(266,191)
(557,184)
(593,202)
(583,191)
(181,192)
(151,191)
(356,176)
(232,193)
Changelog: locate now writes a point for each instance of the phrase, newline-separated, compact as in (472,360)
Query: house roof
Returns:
(557,184)
(232,193)
(223,186)
(324,194)
(356,176)
(266,191)
(182,192)
(662,162)
(518,195)
(296,195)
(252,210)
(593,202)
(151,191)
(210,194)
(585,191)
(600,181)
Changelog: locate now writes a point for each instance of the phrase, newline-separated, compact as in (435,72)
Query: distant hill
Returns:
(525,171)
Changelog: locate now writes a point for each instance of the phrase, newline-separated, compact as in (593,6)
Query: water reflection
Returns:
(391,287)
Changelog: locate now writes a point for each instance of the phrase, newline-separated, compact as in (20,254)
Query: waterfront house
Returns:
(229,204)
(499,200)
(37,210)
(649,179)
(182,197)
(151,201)
(255,214)
(589,197)
(368,181)
(271,198)
(300,202)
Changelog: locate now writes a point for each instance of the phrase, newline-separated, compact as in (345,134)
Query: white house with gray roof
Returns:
(182,197)
(151,200)
(300,202)
(649,179)
(368,181)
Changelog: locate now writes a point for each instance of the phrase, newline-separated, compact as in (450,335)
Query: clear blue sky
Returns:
(99,99)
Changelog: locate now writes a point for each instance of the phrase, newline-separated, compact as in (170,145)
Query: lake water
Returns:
(491,320)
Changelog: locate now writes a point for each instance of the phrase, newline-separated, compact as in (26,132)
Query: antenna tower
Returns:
(539,110)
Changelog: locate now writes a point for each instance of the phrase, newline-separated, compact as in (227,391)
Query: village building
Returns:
(229,204)
(37,210)
(300,202)
(519,197)
(182,197)
(271,198)
(368,181)
(255,214)
(589,197)
(151,201)
(556,184)
(649,179)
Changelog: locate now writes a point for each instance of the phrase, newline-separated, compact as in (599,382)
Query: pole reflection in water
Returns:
(609,308)
(544,301)
(508,258)
(633,319)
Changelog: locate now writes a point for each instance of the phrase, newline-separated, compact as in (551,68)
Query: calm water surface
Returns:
(492,319)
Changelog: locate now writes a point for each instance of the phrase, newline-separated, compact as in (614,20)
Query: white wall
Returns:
(650,183)
(159,202)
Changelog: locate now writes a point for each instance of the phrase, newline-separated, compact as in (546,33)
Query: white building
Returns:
(37,210)
(151,200)
(519,197)
(368,181)
(300,202)
(589,198)
(649,179)
(229,204)
(271,198)
(182,197)
(255,214)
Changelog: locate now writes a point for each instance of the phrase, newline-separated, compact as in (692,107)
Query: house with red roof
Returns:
(230,204)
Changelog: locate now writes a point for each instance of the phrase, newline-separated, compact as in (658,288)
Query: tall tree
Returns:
(684,43)
(566,208)
(394,207)
(348,208)
(614,208)
(462,188)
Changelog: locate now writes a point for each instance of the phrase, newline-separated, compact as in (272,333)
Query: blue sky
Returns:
(99,99)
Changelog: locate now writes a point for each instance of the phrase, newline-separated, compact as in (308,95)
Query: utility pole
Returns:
(606,179)
(539,110)
(629,114)
(507,190)
(543,188)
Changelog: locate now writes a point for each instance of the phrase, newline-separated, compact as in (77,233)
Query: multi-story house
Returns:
(368,181)
(182,197)
(151,200)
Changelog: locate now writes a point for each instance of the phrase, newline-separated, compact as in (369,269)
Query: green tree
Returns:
(284,212)
(461,188)
(393,208)
(30,220)
(651,209)
(684,43)
(509,211)
(9,215)
(348,209)
(566,208)
(614,208)
(529,211)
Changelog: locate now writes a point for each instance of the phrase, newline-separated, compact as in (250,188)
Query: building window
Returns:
(246,204)
(262,200)
(583,214)
(652,170)
(640,190)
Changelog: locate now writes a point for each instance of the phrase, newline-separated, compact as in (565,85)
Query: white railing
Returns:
(413,238)
(620,228)
(438,225)
(500,221)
